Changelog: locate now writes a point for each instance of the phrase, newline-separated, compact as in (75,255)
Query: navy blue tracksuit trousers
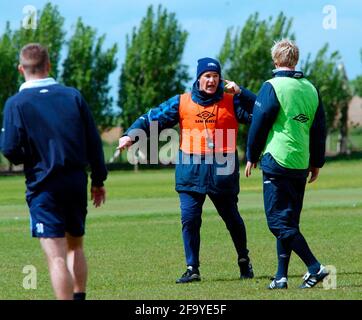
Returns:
(191,208)
(283,202)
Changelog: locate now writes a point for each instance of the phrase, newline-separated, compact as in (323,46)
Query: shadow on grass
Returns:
(297,276)
(349,273)
(259,277)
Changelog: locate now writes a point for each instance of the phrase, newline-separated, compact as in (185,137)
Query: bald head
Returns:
(34,60)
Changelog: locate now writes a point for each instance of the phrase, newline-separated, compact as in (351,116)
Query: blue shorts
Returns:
(58,208)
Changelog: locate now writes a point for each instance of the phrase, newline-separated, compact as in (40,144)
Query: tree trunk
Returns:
(342,147)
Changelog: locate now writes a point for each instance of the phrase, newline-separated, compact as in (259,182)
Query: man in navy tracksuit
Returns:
(289,129)
(49,128)
(208,111)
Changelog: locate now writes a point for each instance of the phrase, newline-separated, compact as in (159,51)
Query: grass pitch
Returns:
(134,245)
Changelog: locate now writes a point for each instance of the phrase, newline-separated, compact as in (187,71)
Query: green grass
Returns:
(134,245)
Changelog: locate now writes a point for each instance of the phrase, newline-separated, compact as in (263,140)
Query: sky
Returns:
(207,22)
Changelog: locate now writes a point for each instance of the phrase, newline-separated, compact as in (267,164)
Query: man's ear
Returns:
(21,69)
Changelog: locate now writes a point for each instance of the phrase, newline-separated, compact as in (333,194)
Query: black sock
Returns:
(300,247)
(79,296)
(283,251)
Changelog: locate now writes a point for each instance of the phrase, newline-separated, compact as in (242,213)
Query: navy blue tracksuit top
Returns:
(51,131)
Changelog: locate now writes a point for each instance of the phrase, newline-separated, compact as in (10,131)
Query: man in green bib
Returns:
(289,130)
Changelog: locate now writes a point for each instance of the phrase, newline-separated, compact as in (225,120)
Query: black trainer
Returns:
(191,274)
(278,284)
(310,280)
(246,269)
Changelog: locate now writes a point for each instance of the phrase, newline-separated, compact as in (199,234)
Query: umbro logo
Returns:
(301,118)
(205,115)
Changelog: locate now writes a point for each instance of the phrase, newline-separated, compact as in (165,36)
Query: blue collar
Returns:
(288,73)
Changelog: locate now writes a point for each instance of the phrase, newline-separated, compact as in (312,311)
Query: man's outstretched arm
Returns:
(166,115)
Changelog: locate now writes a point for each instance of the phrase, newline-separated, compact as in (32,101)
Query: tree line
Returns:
(153,70)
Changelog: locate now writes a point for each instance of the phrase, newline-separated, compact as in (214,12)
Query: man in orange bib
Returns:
(208,160)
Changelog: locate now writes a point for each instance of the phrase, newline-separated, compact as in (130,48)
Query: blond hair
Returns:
(285,53)
(34,58)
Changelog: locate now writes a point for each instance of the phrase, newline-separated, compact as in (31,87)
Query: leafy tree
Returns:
(328,75)
(8,67)
(325,74)
(49,32)
(152,71)
(357,86)
(87,67)
(345,98)
(357,83)
(245,54)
